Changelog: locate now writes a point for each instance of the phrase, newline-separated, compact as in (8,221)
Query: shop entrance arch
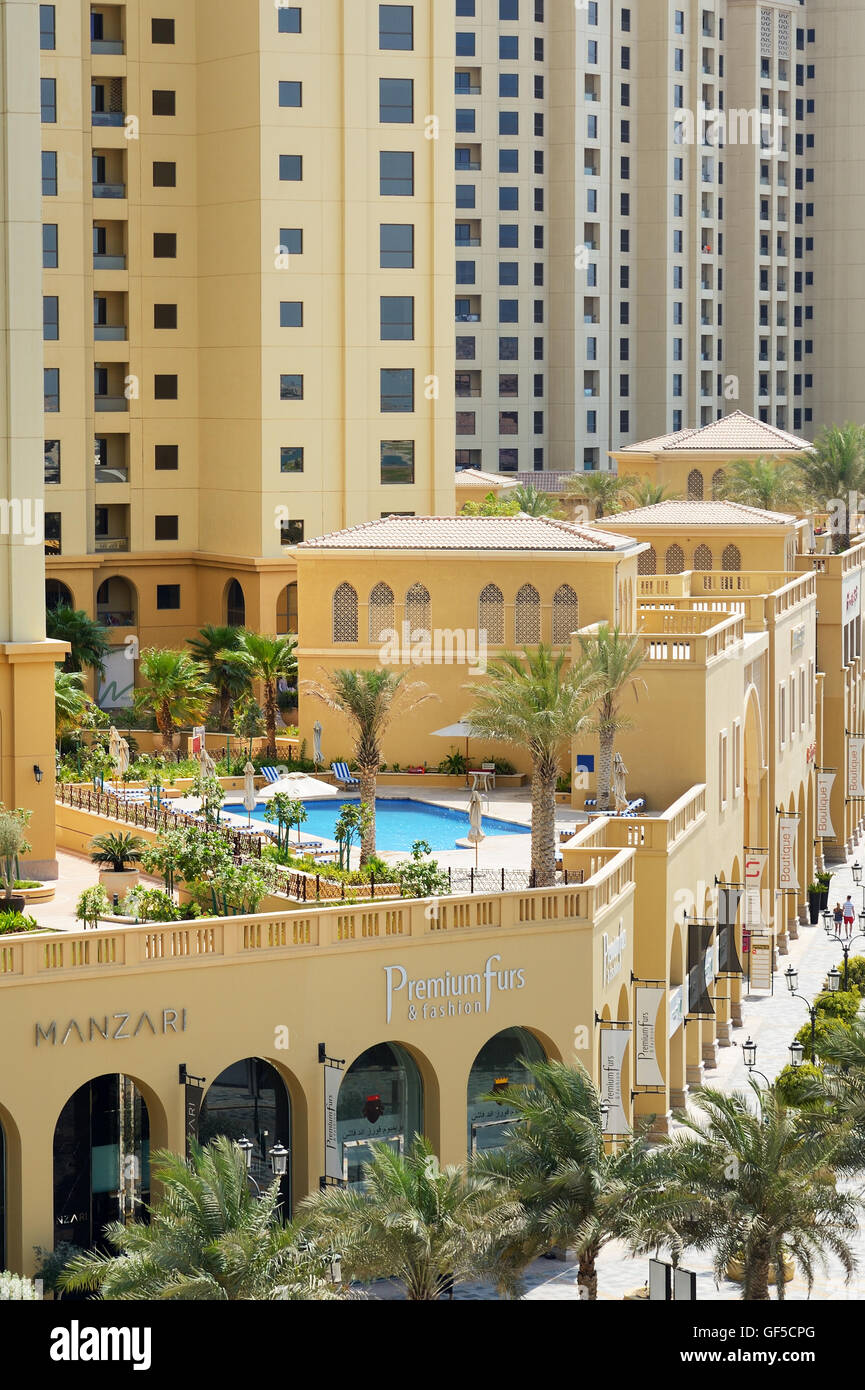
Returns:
(380,1101)
(101,1160)
(250,1100)
(501,1062)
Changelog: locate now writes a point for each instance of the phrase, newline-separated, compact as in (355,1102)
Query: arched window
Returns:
(501,1062)
(695,485)
(115,602)
(235,605)
(286,611)
(675,560)
(702,558)
(647,562)
(566,613)
(732,558)
(345,614)
(250,1097)
(380,1101)
(417,608)
(380,611)
(101,1158)
(491,614)
(718,483)
(527,616)
(57,595)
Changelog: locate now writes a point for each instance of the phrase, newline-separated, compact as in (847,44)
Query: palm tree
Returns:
(174,688)
(536,701)
(532,502)
(70,701)
(833,471)
(422,1226)
(266,659)
(230,681)
(614,659)
(762,1186)
(572,1192)
(87,638)
(116,851)
(642,492)
(369,700)
(602,490)
(491,506)
(762,483)
(209,1239)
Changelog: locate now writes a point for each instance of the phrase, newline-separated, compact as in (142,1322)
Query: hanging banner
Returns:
(825,827)
(760,977)
(851,597)
(649,1005)
(755,864)
(614,1044)
(700,968)
(855,753)
(677,1010)
(192,1109)
(728,910)
(332,1147)
(788,833)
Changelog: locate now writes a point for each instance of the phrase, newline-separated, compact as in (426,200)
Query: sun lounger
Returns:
(342,774)
(270,773)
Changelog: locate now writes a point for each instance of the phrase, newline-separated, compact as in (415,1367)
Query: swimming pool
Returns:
(398,823)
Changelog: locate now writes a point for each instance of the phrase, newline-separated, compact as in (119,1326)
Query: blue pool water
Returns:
(398,823)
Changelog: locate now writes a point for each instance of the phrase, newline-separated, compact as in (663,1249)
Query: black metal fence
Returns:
(139,813)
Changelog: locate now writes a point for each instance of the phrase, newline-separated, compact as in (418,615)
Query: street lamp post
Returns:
(845,942)
(749,1057)
(833,980)
(278,1161)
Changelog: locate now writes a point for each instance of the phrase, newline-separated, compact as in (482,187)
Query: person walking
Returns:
(838,915)
(849,912)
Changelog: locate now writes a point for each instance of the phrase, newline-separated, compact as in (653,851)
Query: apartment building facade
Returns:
(245,323)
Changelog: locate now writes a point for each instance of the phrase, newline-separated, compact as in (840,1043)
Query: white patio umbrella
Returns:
(316,743)
(476,808)
(300,786)
(462,729)
(249,789)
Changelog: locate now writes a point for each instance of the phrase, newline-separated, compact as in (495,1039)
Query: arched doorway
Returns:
(500,1063)
(250,1100)
(116,604)
(57,595)
(286,611)
(235,605)
(380,1099)
(101,1160)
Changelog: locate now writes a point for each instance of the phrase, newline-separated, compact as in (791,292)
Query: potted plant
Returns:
(824,878)
(815,893)
(92,905)
(115,852)
(13,843)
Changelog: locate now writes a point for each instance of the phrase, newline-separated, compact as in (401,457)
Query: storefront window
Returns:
(381,1098)
(250,1100)
(498,1064)
(101,1161)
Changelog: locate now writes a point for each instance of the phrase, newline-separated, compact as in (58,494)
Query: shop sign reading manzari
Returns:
(111,1027)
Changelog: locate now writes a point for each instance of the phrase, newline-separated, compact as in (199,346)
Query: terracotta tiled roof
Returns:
(475,477)
(468,533)
(736,433)
(545,482)
(697,514)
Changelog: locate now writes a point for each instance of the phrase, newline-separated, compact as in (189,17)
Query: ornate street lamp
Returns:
(797,1052)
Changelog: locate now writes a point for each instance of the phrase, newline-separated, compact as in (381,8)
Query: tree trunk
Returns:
(166,728)
(605,768)
(367,798)
(543,828)
(224,705)
(755,1278)
(589,1274)
(270,717)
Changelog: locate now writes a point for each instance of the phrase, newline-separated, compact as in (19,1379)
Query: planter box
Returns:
(43,894)
(119,883)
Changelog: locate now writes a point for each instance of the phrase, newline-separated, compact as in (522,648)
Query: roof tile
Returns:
(468,533)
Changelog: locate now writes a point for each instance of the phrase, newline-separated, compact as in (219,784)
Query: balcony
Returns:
(106,46)
(109,332)
(109,262)
(120,474)
(109,190)
(107,405)
(108,118)
(106,545)
(467,157)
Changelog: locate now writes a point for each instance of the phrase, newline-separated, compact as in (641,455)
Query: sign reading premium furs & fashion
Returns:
(855,778)
(453,994)
(111,1027)
(649,1003)
(788,832)
(677,1010)
(825,827)
(332,1148)
(851,596)
(614,1044)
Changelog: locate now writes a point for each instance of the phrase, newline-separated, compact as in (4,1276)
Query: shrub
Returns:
(824,1027)
(856,973)
(504,768)
(92,904)
(420,876)
(150,905)
(843,1006)
(11,922)
(798,1085)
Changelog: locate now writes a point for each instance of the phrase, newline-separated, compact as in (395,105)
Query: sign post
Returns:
(333,1073)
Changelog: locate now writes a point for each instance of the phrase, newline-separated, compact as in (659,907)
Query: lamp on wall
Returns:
(37,772)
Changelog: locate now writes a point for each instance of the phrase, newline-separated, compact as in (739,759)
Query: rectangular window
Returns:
(509,272)
(53,534)
(509,84)
(291,458)
(164,245)
(289,19)
(465,45)
(397,461)
(509,161)
(509,49)
(396,174)
(49,245)
(466,120)
(290,532)
(164,173)
(165,528)
(164,103)
(52,460)
(722,769)
(290,241)
(49,173)
(291,313)
(509,236)
(47,28)
(48,89)
(396,26)
(165,316)
(509,311)
(162,31)
(166,458)
(782,715)
(509,199)
(509,422)
(509,9)
(51,389)
(50,317)
(465,272)
(509,349)
(396,100)
(397,318)
(291,94)
(290,168)
(397,390)
(396,246)
(509,384)
(466,349)
(167,596)
(290,387)
(164,387)
(509,460)
(465,195)
(466,422)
